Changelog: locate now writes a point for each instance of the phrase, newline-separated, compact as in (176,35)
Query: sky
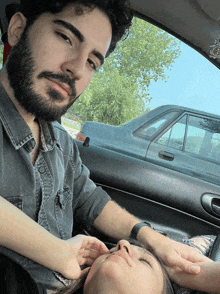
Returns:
(193,82)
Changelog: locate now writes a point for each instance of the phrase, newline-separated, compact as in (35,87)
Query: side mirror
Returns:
(86,142)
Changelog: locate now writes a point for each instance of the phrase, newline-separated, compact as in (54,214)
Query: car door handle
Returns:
(166,155)
(211,204)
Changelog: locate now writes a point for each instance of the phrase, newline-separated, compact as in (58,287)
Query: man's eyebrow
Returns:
(71,28)
(78,34)
(99,56)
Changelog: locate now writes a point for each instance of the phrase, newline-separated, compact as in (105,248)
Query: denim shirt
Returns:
(67,193)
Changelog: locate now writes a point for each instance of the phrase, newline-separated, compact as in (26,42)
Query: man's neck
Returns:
(29,118)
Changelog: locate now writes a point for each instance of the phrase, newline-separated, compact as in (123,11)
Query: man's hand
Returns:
(179,276)
(206,281)
(183,256)
(83,250)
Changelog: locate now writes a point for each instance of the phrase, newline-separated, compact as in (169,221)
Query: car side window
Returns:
(200,136)
(174,137)
(203,137)
(150,129)
(215,154)
(198,140)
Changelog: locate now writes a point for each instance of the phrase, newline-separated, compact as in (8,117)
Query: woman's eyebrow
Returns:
(79,36)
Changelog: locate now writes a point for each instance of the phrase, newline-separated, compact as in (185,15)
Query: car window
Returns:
(174,137)
(150,129)
(215,141)
(197,140)
(203,137)
(196,135)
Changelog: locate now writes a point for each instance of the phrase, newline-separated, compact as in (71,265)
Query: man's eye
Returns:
(92,64)
(64,37)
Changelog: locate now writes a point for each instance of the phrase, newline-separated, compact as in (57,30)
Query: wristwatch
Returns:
(136,229)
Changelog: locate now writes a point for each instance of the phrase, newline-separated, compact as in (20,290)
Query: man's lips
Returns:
(61,87)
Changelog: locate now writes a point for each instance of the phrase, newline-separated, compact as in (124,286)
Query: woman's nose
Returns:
(124,246)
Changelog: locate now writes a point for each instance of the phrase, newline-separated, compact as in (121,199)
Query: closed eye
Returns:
(146,261)
(64,37)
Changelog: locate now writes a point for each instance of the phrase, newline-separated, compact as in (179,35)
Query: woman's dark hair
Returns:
(118,12)
(167,287)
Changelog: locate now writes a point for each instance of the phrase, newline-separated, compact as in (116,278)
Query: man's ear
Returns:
(16,27)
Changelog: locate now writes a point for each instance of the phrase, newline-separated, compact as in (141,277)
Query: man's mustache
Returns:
(61,78)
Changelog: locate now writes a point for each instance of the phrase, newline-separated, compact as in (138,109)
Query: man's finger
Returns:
(86,261)
(94,243)
(100,247)
(89,253)
(198,257)
(84,272)
(188,267)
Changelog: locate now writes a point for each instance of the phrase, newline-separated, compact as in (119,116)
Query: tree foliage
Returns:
(119,90)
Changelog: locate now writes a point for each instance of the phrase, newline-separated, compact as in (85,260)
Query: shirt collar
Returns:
(16,128)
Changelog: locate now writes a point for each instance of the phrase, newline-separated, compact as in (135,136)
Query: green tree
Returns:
(119,90)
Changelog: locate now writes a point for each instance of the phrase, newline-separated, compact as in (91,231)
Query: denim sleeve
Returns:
(89,200)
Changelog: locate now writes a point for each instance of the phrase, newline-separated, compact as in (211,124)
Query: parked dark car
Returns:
(178,138)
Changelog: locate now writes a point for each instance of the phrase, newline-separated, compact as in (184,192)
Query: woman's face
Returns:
(126,269)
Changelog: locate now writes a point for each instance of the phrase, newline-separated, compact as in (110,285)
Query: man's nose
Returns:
(75,67)
(124,246)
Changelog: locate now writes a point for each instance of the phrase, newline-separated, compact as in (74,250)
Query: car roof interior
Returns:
(195,22)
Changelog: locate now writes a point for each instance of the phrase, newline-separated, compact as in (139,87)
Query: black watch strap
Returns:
(136,229)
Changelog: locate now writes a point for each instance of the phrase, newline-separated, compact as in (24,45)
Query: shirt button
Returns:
(41,170)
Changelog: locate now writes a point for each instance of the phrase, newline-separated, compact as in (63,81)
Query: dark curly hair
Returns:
(118,12)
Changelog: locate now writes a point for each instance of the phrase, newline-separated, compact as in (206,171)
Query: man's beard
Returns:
(20,67)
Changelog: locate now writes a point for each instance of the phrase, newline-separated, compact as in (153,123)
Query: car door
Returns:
(190,145)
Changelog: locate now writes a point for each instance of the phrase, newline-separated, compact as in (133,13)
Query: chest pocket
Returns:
(64,213)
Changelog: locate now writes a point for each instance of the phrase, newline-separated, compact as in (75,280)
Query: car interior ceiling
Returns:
(197,24)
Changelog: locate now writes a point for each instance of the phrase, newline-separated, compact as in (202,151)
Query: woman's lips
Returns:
(120,254)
